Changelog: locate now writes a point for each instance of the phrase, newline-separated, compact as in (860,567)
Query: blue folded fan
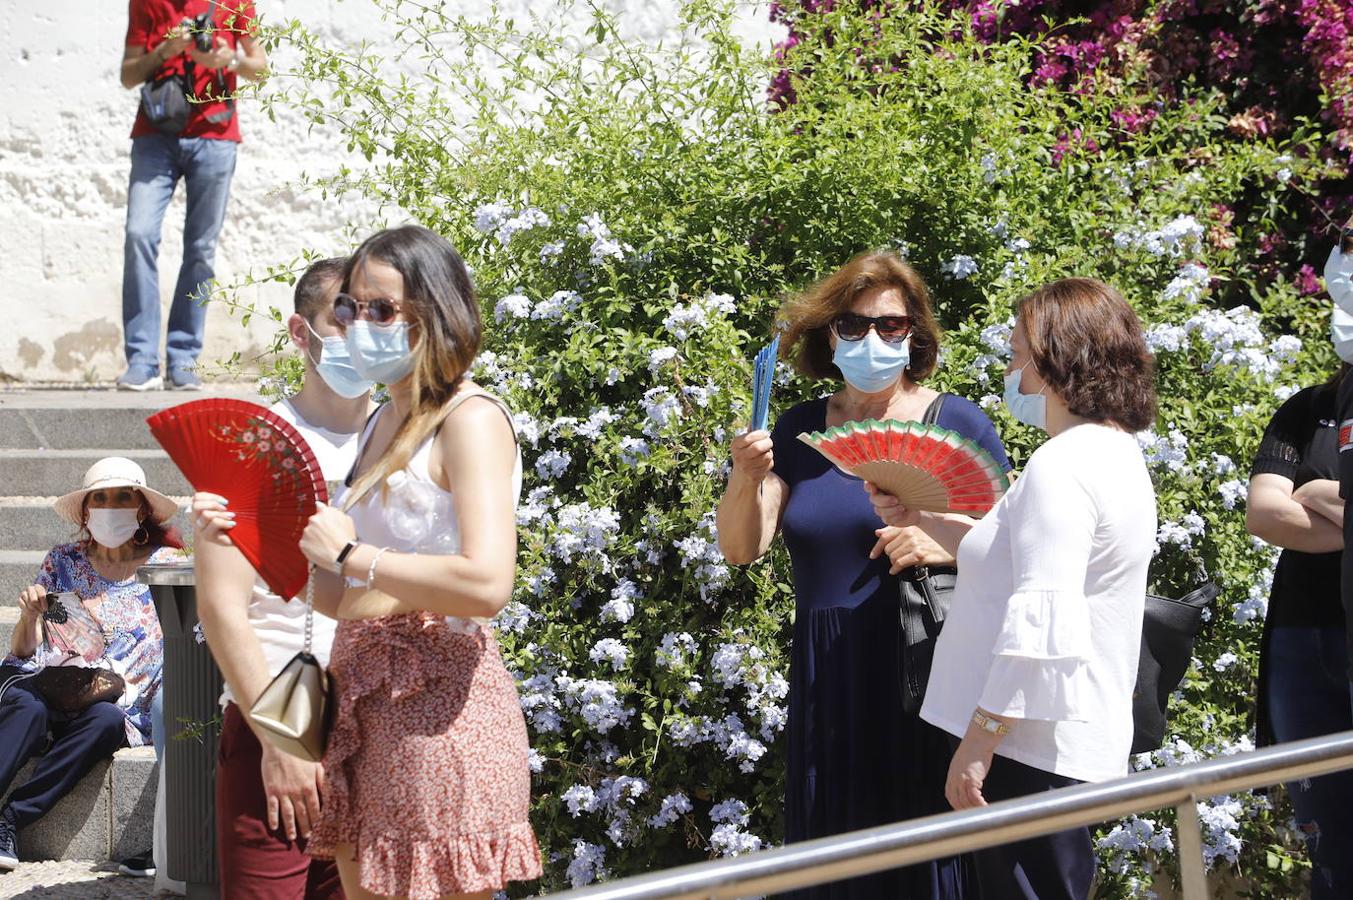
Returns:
(761,384)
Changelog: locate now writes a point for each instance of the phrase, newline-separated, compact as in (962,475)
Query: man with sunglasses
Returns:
(267,800)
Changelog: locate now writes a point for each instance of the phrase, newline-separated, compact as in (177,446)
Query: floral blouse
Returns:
(131,629)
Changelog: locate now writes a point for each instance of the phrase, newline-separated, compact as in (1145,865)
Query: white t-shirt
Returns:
(280,624)
(1045,621)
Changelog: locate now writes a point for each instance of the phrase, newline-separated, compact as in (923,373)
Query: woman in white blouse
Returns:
(1035,667)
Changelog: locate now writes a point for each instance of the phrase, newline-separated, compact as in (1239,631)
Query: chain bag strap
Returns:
(293,710)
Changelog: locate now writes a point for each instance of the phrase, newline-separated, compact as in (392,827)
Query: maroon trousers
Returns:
(254,862)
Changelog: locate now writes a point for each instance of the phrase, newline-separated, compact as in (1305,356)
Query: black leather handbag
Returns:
(1169,628)
(923,595)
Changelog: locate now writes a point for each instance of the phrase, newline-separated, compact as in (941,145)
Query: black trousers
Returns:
(1057,866)
(78,742)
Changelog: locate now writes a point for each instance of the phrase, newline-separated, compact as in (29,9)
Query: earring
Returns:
(141,537)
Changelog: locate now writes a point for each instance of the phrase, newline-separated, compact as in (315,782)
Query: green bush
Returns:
(634,216)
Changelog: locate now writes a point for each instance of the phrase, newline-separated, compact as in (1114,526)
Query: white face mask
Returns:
(113,527)
(1341,332)
(1031,409)
(1339,279)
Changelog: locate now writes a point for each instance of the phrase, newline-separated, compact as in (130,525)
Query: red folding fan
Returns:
(262,465)
(927,467)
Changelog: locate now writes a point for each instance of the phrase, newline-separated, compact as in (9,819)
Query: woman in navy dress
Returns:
(856,759)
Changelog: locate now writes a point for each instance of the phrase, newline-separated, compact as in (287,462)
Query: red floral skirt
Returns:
(426,774)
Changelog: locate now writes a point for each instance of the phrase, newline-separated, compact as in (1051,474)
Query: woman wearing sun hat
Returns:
(121,526)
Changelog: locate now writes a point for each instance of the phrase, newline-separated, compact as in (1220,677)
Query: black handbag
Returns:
(923,594)
(1169,628)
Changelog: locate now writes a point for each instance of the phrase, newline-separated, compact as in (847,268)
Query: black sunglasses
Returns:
(853,327)
(381,311)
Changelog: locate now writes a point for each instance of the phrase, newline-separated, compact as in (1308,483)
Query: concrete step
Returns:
(108,815)
(9,617)
(51,473)
(75,419)
(17,570)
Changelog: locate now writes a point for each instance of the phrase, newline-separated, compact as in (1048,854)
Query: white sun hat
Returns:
(114,472)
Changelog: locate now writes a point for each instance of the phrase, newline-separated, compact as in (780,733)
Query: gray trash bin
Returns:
(192,691)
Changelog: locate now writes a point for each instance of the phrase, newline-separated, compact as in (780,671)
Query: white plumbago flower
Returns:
(1183,235)
(1166,337)
(598,419)
(552,463)
(673,807)
(535,761)
(539,583)
(773,721)
(633,449)
(1220,819)
(688,732)
(613,376)
(586,531)
(662,408)
(988,401)
(733,812)
(1285,391)
(525,220)
(549,251)
(527,428)
(685,320)
(620,608)
(1190,283)
(1225,661)
(660,357)
(1133,837)
(539,703)
(588,864)
(514,617)
(1193,523)
(559,304)
(619,830)
(1283,175)
(622,790)
(1233,492)
(732,737)
(674,650)
(699,394)
(1254,607)
(729,840)
(960,267)
(597,701)
(610,650)
(1285,348)
(988,164)
(516,306)
(1174,533)
(1170,451)
(537,505)
(580,799)
(1222,464)
(700,551)
(1237,341)
(488,216)
(1017,245)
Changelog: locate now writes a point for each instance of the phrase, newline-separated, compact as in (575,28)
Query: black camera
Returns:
(202,29)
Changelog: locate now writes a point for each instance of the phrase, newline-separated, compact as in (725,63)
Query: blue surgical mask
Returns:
(871,364)
(1341,331)
(335,367)
(380,354)
(1339,279)
(1031,409)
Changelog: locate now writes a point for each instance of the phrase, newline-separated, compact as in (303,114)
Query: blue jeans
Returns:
(1309,696)
(158,162)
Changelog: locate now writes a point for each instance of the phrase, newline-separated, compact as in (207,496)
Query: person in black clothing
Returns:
(1294,503)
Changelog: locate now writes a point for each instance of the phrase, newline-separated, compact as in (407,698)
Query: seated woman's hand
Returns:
(33,601)
(211,520)
(907,547)
(325,535)
(890,509)
(752,455)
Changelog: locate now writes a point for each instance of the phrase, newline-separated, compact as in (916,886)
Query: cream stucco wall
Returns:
(64,125)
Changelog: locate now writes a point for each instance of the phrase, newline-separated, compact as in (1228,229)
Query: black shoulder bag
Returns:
(923,594)
(1169,628)
(167,100)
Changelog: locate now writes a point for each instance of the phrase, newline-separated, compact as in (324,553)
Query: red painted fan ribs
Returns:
(927,467)
(262,465)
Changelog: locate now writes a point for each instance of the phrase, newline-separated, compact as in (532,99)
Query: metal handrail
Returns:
(889,846)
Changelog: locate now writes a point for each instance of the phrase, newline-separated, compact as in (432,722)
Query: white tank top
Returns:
(372,517)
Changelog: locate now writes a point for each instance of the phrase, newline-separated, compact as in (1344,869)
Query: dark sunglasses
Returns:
(381,311)
(852,327)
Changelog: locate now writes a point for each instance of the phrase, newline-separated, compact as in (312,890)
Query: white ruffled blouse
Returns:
(1046,618)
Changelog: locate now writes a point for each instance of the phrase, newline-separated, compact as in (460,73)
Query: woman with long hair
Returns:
(428,787)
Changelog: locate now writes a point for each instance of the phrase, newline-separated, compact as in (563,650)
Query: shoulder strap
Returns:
(361,444)
(932,412)
(462,397)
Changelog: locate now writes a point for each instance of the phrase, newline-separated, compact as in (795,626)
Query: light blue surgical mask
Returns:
(1341,332)
(380,354)
(335,367)
(1339,279)
(1031,409)
(871,364)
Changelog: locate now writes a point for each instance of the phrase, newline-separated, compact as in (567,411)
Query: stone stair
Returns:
(48,438)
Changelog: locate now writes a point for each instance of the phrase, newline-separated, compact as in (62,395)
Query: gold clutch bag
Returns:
(293,709)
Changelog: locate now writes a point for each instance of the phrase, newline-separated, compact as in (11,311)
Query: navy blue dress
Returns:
(855,760)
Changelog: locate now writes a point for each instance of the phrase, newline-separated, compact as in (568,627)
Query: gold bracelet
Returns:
(988,724)
(371,571)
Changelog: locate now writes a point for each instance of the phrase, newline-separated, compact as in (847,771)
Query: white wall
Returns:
(64,126)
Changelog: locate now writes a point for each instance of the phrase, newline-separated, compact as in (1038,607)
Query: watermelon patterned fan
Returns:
(262,465)
(927,467)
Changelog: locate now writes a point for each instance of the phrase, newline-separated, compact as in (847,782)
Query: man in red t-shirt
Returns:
(161,44)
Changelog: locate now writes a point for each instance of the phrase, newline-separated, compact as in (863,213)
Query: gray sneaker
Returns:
(185,380)
(139,380)
(9,841)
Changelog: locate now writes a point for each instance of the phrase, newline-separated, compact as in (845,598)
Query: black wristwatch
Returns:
(344,554)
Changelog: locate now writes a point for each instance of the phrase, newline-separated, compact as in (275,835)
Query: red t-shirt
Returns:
(147,23)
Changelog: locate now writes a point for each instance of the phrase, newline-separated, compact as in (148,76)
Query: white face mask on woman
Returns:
(1031,409)
(1339,279)
(113,527)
